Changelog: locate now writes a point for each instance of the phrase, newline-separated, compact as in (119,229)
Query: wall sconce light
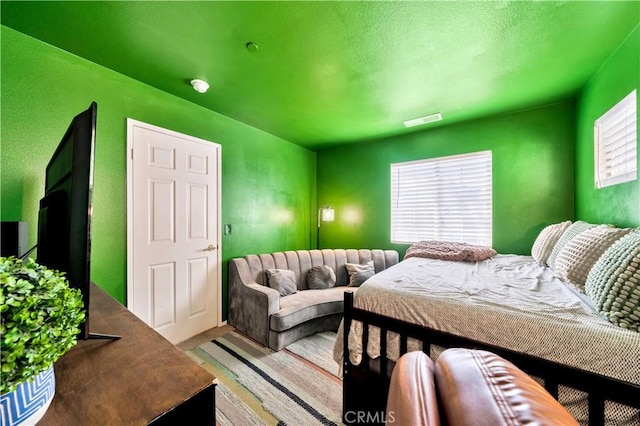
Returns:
(326,214)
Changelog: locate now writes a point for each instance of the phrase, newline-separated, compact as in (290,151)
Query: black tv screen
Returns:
(64,219)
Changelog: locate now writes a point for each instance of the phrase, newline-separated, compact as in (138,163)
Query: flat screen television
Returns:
(64,218)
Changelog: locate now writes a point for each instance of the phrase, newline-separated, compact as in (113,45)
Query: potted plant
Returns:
(41,315)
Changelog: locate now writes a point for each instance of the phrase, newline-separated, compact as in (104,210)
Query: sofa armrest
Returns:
(265,296)
(250,304)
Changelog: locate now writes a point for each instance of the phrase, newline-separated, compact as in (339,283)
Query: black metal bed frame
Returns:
(365,386)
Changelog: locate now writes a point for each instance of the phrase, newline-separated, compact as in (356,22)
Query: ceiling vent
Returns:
(423,120)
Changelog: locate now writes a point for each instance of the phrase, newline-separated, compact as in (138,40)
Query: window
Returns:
(615,136)
(446,199)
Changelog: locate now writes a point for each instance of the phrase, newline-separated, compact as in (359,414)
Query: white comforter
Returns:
(508,301)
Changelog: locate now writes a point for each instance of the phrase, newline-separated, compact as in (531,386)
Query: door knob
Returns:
(211,247)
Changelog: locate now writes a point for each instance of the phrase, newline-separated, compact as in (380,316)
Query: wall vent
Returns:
(423,120)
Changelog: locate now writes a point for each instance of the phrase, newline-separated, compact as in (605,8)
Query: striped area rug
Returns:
(258,386)
(317,349)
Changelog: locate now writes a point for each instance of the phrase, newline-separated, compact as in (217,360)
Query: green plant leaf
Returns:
(41,316)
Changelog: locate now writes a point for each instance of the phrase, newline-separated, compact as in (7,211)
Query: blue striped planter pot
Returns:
(28,403)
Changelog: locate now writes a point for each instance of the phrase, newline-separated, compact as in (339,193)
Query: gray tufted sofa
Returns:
(276,321)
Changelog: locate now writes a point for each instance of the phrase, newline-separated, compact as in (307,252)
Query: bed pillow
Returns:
(283,280)
(547,238)
(568,234)
(449,250)
(359,273)
(321,277)
(614,282)
(578,256)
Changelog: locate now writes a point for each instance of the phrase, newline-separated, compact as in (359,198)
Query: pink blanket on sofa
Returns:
(446,250)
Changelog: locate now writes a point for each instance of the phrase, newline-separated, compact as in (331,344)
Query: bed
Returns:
(507,304)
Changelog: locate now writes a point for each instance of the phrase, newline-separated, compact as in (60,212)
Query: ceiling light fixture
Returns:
(423,120)
(200,86)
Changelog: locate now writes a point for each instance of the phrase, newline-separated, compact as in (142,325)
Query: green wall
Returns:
(268,184)
(533,154)
(619,75)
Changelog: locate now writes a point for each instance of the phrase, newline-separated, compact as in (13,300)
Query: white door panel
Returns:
(174,276)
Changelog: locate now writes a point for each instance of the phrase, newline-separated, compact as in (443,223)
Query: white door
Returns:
(173,239)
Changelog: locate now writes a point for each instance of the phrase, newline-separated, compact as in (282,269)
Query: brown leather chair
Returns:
(412,392)
(473,388)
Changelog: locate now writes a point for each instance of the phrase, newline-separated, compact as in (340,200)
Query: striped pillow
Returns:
(614,282)
(568,234)
(547,238)
(578,256)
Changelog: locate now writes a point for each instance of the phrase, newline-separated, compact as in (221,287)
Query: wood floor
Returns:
(204,337)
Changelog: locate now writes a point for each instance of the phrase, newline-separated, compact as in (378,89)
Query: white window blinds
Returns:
(615,135)
(446,199)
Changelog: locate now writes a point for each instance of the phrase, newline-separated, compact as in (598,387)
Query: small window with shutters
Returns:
(445,199)
(615,136)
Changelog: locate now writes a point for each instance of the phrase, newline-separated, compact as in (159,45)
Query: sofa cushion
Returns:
(359,273)
(306,305)
(321,277)
(283,280)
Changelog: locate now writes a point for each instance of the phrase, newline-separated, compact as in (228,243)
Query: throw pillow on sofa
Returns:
(360,273)
(283,280)
(547,238)
(321,277)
